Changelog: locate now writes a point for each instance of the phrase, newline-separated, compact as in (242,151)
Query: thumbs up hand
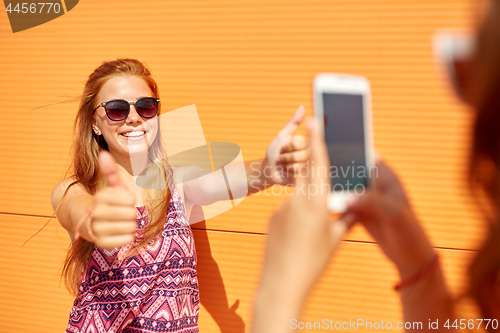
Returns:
(287,152)
(114,215)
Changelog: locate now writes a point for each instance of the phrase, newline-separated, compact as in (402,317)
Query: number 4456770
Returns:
(471,324)
(33,8)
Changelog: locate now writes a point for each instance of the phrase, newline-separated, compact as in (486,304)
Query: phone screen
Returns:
(345,139)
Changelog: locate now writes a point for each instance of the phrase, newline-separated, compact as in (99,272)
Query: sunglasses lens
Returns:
(147,107)
(117,110)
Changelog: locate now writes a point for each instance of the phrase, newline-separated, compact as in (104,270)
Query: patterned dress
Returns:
(154,291)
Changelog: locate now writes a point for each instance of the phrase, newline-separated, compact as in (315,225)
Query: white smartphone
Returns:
(342,105)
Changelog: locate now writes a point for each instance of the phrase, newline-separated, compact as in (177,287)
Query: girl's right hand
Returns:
(388,217)
(114,215)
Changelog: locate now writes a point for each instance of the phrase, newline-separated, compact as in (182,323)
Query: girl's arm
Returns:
(70,208)
(113,219)
(285,155)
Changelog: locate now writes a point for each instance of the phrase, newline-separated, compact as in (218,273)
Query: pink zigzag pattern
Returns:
(154,291)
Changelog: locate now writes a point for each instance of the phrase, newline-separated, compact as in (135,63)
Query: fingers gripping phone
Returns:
(342,105)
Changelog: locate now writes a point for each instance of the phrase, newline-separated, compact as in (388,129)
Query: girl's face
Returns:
(134,134)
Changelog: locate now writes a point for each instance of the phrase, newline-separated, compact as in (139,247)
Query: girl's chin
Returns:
(138,148)
(133,152)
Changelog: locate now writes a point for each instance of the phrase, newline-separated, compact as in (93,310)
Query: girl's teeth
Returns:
(133,134)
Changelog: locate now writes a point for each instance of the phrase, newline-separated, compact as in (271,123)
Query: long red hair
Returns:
(86,173)
(485,161)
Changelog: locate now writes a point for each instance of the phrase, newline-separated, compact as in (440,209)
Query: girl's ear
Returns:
(96,129)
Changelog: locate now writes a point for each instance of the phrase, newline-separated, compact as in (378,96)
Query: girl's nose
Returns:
(133,116)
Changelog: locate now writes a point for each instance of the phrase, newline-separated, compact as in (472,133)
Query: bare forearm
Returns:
(282,293)
(257,180)
(274,308)
(77,209)
(426,301)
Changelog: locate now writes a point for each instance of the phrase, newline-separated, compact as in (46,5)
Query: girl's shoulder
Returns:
(63,195)
(181,174)
(179,177)
(177,174)
(67,187)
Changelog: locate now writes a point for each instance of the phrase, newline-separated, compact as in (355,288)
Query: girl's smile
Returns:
(134,134)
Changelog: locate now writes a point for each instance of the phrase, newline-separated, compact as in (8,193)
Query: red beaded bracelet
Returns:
(84,218)
(426,270)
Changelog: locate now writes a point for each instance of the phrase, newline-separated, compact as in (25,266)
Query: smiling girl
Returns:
(132,261)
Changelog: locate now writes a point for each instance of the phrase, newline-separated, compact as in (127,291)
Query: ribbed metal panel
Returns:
(247,65)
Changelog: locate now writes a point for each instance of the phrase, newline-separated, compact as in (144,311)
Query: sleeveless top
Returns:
(153,291)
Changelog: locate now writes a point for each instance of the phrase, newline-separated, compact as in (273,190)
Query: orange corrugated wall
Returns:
(246,65)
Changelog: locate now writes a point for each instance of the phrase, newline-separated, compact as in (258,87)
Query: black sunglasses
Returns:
(118,109)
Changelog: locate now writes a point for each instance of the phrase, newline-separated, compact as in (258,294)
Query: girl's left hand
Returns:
(287,152)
